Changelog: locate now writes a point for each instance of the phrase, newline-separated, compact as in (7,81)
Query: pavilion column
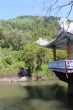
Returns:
(68,49)
(54,54)
(70,76)
(70,84)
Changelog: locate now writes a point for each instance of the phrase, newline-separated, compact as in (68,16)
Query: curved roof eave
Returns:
(60,41)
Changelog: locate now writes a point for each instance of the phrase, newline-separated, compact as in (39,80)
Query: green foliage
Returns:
(35,56)
(18,32)
(8,60)
(61,54)
(47,72)
(18,46)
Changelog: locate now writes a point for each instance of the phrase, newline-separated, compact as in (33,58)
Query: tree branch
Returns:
(58,8)
(50,8)
(70,10)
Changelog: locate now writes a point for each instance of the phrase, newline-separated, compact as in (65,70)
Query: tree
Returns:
(29,56)
(56,7)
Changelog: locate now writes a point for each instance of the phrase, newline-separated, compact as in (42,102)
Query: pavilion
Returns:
(62,68)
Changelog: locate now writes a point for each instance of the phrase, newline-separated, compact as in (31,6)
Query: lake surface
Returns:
(35,95)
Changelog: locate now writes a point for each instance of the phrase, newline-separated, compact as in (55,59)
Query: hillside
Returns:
(26,29)
(18,46)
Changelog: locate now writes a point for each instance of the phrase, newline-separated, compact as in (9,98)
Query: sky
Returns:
(12,8)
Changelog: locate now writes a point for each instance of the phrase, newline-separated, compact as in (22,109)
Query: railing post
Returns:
(54,54)
(68,49)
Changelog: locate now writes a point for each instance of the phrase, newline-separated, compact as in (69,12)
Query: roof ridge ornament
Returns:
(65,25)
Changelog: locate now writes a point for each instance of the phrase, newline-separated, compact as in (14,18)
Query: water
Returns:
(41,95)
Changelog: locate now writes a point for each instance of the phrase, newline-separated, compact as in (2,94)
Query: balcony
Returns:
(62,66)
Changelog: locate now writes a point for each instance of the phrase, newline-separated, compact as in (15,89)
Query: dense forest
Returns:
(18,46)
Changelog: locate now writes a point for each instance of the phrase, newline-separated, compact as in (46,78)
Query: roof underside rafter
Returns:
(60,42)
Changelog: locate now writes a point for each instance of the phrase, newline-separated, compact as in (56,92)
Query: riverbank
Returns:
(18,79)
(13,77)
(22,79)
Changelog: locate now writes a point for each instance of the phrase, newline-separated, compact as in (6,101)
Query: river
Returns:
(35,95)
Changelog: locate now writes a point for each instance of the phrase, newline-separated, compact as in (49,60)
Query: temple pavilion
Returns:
(62,68)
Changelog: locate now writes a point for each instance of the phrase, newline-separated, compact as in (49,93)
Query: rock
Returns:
(23,79)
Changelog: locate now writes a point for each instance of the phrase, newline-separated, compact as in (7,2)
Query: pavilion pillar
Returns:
(54,54)
(68,49)
(70,76)
(70,84)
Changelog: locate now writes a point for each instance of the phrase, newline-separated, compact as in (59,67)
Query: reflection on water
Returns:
(41,95)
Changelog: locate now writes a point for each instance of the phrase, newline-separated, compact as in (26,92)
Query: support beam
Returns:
(70,84)
(68,49)
(54,54)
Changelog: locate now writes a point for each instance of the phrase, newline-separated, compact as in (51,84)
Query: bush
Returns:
(8,60)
